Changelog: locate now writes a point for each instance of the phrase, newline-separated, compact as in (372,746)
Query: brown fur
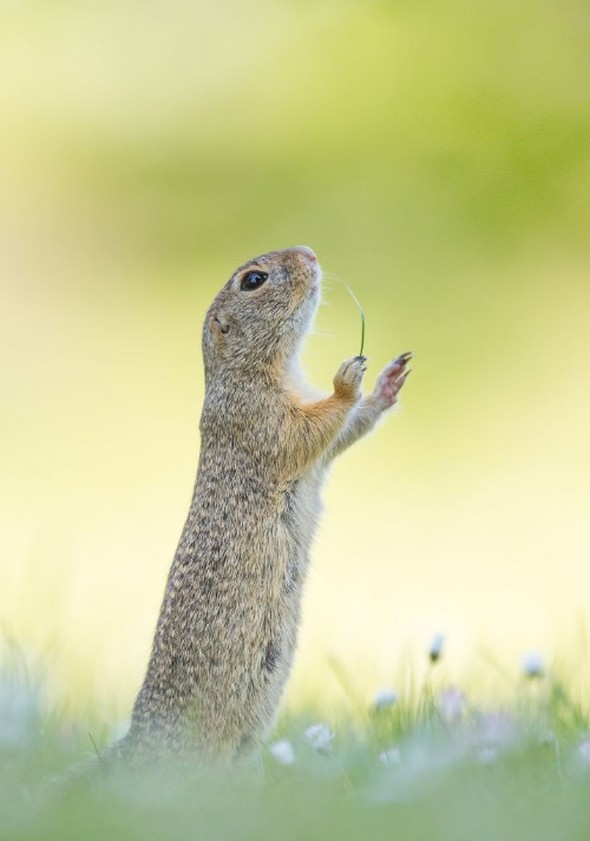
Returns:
(227,630)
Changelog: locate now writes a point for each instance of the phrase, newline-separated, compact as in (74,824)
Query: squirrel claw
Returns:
(391,380)
(403,358)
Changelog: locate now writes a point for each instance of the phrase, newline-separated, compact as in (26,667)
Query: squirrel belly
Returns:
(227,630)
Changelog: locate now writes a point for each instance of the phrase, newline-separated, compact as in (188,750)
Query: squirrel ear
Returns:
(219,324)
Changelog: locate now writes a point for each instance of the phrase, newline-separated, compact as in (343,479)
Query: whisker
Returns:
(322,333)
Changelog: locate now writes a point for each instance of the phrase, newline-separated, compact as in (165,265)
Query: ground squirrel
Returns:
(227,630)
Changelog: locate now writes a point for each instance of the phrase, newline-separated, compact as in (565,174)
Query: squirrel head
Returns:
(257,321)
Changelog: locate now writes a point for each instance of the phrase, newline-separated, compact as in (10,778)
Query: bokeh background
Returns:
(437,158)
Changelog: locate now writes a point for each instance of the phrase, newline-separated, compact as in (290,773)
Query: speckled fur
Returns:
(227,630)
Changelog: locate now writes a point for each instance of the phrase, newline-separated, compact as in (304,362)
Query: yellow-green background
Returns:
(437,158)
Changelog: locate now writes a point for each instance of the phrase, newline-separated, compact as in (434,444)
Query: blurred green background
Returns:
(437,158)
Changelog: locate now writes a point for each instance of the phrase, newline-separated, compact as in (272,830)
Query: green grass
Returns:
(454,771)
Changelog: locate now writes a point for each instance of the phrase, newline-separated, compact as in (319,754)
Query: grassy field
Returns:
(430,766)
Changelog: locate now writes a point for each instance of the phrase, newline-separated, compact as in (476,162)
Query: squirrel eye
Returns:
(253,280)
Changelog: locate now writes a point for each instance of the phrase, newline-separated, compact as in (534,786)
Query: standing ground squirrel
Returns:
(227,630)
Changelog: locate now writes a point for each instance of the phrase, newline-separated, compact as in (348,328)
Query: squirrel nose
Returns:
(307,252)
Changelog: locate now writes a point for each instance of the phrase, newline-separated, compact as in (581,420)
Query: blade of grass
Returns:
(360,309)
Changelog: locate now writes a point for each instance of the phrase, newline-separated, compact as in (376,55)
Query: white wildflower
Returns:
(385,698)
(487,755)
(283,752)
(451,705)
(391,756)
(319,736)
(532,664)
(497,729)
(436,647)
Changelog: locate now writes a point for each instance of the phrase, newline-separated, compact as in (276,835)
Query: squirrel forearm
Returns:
(360,421)
(313,429)
(363,418)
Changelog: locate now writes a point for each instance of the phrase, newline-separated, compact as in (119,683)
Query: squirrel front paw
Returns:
(348,379)
(391,380)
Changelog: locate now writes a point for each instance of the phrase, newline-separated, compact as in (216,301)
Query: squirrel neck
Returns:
(260,371)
